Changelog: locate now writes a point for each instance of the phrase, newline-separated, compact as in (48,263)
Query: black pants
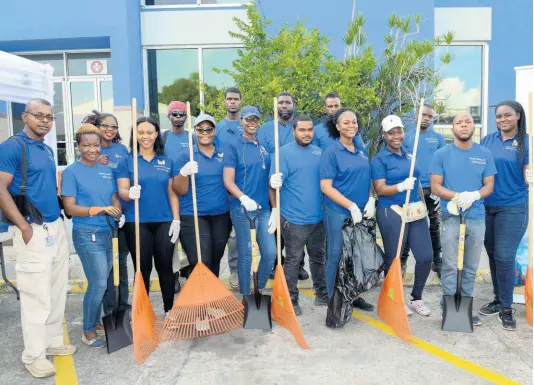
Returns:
(214,231)
(314,238)
(282,258)
(109,296)
(434,215)
(156,243)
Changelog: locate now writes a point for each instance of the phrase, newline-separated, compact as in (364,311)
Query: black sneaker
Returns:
(490,308)
(320,301)
(297,309)
(476,320)
(507,319)
(360,303)
(303,274)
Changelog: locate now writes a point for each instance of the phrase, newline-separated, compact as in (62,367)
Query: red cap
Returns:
(176,105)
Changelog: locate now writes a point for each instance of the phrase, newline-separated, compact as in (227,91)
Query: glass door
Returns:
(83,100)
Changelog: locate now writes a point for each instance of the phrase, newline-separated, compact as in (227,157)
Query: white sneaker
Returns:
(234,280)
(41,368)
(419,307)
(409,311)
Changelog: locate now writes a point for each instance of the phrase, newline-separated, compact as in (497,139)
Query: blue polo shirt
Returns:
(176,143)
(429,142)
(266,135)
(464,170)
(322,139)
(252,164)
(115,153)
(154,205)
(227,130)
(350,172)
(300,196)
(91,186)
(394,168)
(212,197)
(41,178)
(510,187)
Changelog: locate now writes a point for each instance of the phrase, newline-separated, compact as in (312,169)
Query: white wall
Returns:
(468,24)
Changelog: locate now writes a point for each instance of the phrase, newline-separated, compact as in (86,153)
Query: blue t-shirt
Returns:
(266,135)
(115,153)
(175,143)
(154,204)
(212,197)
(429,142)
(228,130)
(41,179)
(252,164)
(394,168)
(350,172)
(300,195)
(322,139)
(510,186)
(464,170)
(91,186)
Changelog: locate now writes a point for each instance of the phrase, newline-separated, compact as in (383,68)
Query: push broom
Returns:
(204,306)
(282,311)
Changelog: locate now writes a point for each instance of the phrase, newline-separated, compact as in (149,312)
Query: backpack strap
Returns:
(24,164)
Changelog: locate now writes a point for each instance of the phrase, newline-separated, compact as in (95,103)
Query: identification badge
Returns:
(49,240)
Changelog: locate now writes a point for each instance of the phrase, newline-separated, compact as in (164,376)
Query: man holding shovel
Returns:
(462,175)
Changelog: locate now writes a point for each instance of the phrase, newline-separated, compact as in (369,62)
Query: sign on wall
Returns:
(97,67)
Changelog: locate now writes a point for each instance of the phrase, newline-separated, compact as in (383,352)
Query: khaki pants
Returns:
(42,274)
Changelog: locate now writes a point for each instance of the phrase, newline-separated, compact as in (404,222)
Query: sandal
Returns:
(94,343)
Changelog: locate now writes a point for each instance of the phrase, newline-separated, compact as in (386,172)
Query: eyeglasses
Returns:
(252,119)
(205,131)
(41,117)
(108,127)
(178,114)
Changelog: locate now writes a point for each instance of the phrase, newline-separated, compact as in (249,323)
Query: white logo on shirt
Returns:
(409,155)
(220,156)
(477,160)
(162,162)
(316,152)
(104,175)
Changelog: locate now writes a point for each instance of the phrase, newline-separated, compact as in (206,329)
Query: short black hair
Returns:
(39,101)
(301,118)
(233,90)
(158,144)
(332,120)
(428,105)
(285,93)
(331,95)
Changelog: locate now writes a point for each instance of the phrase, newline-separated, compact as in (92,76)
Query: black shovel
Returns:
(117,324)
(458,309)
(257,306)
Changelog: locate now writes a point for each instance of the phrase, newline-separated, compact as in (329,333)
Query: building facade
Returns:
(104,53)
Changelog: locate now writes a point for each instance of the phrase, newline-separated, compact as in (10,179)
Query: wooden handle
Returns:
(461,246)
(530,187)
(412,167)
(253,249)
(136,183)
(115,249)
(277,170)
(193,183)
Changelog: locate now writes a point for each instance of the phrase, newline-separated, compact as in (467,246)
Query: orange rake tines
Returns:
(204,306)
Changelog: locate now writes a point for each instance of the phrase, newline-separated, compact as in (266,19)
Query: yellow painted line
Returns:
(459,362)
(65,370)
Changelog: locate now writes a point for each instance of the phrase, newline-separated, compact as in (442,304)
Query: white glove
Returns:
(452,207)
(369,210)
(466,199)
(272,221)
(249,204)
(122,221)
(528,175)
(406,184)
(189,168)
(355,213)
(174,231)
(276,180)
(135,192)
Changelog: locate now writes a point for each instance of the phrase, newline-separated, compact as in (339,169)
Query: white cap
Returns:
(390,122)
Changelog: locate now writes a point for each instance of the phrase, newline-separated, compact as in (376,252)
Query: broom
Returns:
(282,311)
(204,306)
(528,280)
(145,324)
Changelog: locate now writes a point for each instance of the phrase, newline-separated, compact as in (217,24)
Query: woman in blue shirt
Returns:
(346,183)
(111,154)
(391,169)
(507,207)
(212,198)
(88,190)
(159,219)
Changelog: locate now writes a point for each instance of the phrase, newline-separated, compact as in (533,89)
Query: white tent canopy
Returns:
(22,80)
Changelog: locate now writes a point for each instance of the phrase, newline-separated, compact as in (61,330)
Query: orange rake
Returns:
(282,311)
(204,306)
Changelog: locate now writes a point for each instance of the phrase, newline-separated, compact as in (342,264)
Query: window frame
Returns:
(483,126)
(196,4)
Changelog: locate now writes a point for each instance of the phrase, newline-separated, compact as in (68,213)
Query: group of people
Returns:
(325,177)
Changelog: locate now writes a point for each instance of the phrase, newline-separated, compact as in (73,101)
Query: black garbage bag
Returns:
(340,302)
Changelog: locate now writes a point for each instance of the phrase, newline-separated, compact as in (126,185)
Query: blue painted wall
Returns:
(67,25)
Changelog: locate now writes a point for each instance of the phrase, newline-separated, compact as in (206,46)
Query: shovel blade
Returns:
(457,314)
(118,330)
(257,317)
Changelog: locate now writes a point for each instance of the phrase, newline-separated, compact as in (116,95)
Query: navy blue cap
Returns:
(250,111)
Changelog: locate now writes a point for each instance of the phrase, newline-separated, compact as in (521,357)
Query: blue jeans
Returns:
(266,243)
(109,296)
(333,221)
(417,234)
(474,239)
(94,250)
(505,226)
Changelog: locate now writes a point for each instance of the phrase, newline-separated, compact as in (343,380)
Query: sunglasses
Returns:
(178,114)
(252,119)
(205,131)
(108,127)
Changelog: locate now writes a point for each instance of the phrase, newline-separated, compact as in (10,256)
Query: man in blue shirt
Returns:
(227,130)
(177,138)
(301,213)
(429,142)
(42,248)
(462,175)
(286,109)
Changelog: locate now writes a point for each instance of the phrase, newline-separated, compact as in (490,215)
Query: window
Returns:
(16,113)
(89,64)
(461,88)
(55,60)
(192,2)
